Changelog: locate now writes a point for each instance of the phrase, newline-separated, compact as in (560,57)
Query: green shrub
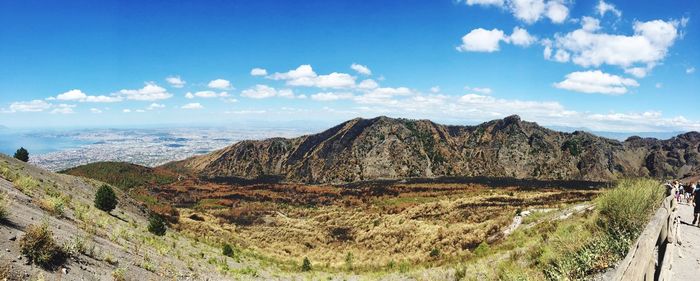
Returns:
(22,154)
(482,250)
(105,199)
(227,250)
(54,205)
(39,247)
(434,253)
(306,265)
(156,225)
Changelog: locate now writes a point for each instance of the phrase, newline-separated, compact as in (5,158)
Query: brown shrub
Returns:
(39,247)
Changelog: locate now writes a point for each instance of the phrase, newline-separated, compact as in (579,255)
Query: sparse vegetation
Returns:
(105,199)
(22,154)
(39,247)
(26,184)
(119,274)
(156,224)
(53,205)
(4,203)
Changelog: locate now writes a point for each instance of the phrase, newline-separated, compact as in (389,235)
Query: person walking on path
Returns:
(696,206)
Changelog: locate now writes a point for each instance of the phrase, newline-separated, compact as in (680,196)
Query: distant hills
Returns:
(388,148)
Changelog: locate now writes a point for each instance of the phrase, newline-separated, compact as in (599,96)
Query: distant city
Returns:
(148,147)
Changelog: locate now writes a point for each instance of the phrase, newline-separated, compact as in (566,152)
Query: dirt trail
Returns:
(686,262)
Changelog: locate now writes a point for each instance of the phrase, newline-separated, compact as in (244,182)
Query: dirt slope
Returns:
(103,245)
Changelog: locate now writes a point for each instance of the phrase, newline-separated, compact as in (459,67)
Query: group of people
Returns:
(690,193)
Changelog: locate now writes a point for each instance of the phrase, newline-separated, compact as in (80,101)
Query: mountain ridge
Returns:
(389,148)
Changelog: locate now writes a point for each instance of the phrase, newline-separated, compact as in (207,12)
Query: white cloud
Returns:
(521,37)
(29,106)
(220,84)
(154,106)
(126,110)
(78,95)
(258,72)
(486,91)
(435,89)
(482,40)
(596,82)
(194,105)
(305,76)
(590,24)
(562,56)
(95,110)
(72,95)
(264,91)
(63,109)
(150,92)
(528,11)
(690,70)
(368,84)
(639,72)
(175,81)
(603,8)
(646,48)
(330,96)
(557,12)
(383,95)
(207,94)
(361,69)
(335,80)
(140,111)
(659,85)
(498,3)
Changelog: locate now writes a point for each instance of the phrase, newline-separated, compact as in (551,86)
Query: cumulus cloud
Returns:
(263,91)
(29,106)
(521,37)
(690,70)
(150,92)
(331,96)
(482,40)
(368,84)
(79,96)
(498,3)
(596,82)
(63,109)
(484,90)
(220,84)
(207,94)
(154,106)
(258,72)
(361,69)
(175,81)
(305,76)
(557,12)
(194,105)
(604,8)
(637,53)
(126,110)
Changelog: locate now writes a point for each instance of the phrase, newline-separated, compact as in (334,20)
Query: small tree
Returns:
(156,224)
(105,199)
(227,250)
(22,154)
(306,265)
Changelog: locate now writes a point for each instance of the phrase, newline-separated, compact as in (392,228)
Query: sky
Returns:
(622,66)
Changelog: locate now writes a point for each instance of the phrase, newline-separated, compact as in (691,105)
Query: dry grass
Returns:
(397,225)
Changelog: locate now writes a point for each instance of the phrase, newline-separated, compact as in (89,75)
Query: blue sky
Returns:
(612,66)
